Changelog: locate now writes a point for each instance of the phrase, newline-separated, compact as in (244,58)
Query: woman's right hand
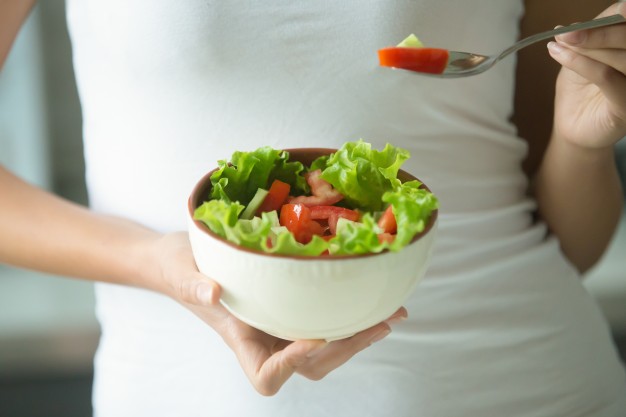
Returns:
(267,361)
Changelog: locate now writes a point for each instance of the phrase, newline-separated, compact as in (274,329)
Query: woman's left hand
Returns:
(590,104)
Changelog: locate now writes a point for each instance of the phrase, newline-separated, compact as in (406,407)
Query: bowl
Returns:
(300,297)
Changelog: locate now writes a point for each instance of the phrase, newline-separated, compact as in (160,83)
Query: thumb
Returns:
(196,289)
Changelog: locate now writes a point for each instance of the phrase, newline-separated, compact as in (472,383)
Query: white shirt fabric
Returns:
(500,326)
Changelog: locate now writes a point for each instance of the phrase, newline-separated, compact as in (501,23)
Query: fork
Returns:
(465,64)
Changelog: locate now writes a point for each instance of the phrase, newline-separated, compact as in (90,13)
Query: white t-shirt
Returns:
(500,326)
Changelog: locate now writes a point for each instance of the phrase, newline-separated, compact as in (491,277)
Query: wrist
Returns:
(149,253)
(168,267)
(563,149)
(565,164)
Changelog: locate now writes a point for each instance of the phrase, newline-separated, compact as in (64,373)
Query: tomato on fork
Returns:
(428,60)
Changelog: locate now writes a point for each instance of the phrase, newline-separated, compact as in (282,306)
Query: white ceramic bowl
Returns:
(308,297)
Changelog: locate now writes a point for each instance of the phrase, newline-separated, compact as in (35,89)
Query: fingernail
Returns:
(554,48)
(204,292)
(396,320)
(573,38)
(316,350)
(380,336)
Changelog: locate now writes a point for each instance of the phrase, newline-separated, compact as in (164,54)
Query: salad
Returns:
(350,202)
(412,55)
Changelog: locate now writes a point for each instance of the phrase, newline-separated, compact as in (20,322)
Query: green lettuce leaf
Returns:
(289,172)
(222,218)
(412,207)
(356,238)
(285,243)
(319,163)
(363,174)
(240,179)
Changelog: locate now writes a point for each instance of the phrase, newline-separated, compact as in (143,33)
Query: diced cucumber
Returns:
(255,203)
(411,41)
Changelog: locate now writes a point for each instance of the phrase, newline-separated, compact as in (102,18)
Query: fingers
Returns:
(339,352)
(615,8)
(270,362)
(606,46)
(600,38)
(605,38)
(614,58)
(400,315)
(608,76)
(598,56)
(276,369)
(608,37)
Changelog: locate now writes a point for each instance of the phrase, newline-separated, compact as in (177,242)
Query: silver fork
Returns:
(464,64)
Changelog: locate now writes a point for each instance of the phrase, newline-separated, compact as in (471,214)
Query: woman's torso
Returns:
(500,325)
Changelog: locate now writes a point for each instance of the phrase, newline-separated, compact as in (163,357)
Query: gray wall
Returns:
(63,107)
(47,323)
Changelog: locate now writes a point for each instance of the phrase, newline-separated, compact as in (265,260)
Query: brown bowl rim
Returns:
(202,187)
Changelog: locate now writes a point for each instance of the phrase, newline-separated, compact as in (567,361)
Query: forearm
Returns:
(577,185)
(43,232)
(579,195)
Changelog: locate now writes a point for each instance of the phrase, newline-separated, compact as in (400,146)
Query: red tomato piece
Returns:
(429,60)
(386,237)
(332,215)
(332,223)
(323,193)
(276,196)
(387,221)
(297,219)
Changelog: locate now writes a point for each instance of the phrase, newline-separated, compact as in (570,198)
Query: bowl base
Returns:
(269,331)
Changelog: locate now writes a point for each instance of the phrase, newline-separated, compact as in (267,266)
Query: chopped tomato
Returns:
(429,60)
(276,196)
(297,219)
(387,221)
(332,214)
(386,237)
(323,193)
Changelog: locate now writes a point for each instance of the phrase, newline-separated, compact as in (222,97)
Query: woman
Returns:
(500,326)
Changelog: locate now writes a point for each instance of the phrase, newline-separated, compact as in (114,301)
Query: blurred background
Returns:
(48,332)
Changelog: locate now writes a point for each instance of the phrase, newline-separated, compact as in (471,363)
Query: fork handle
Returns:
(596,23)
